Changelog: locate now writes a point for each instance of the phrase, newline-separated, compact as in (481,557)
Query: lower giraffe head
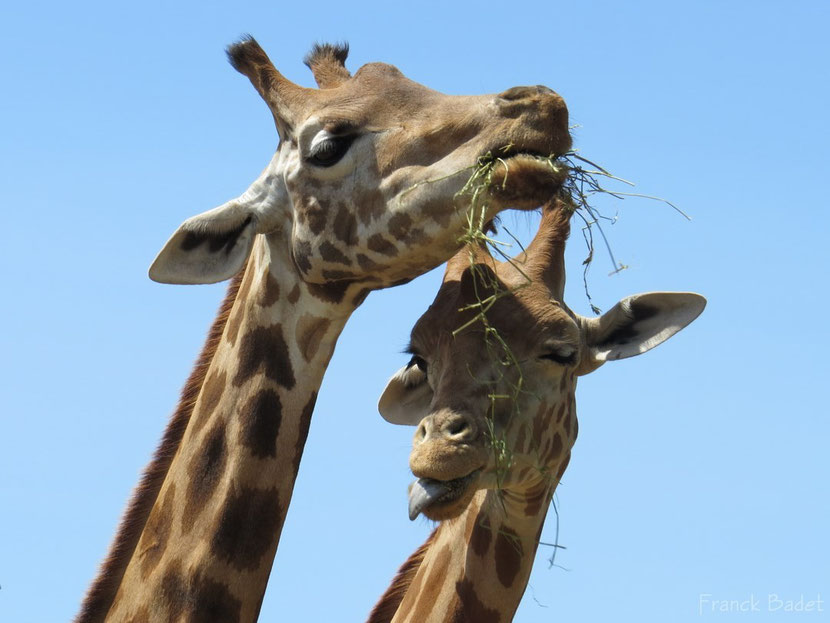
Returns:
(494,366)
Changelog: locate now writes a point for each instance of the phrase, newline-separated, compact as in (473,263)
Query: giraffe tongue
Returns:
(424,492)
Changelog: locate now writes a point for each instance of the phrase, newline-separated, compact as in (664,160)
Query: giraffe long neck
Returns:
(205,549)
(476,566)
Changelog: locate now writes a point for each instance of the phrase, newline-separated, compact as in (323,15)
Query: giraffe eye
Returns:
(330,151)
(561,354)
(418,362)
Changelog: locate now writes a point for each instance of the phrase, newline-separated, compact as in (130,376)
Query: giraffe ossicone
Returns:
(490,387)
(360,195)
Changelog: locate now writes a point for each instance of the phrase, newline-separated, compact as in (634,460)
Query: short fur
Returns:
(388,604)
(101,594)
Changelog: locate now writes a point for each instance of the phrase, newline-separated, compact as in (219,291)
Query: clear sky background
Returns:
(701,467)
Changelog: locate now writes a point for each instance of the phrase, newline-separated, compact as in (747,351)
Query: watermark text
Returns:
(709,603)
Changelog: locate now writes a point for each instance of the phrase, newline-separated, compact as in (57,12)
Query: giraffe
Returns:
(360,195)
(496,418)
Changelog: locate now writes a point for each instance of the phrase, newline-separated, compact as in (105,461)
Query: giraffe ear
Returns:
(407,397)
(214,246)
(637,324)
(207,248)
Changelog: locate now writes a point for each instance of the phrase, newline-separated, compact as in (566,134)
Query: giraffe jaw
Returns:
(438,496)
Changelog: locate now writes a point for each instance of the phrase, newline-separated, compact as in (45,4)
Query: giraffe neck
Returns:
(206,548)
(476,566)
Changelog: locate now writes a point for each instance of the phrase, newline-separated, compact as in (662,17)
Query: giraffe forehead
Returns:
(377,92)
(523,317)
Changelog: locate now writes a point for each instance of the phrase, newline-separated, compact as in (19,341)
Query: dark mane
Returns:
(388,604)
(101,593)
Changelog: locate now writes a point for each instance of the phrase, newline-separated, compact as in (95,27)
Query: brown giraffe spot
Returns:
(270,292)
(238,312)
(399,225)
(315,216)
(508,555)
(173,593)
(379,244)
(330,253)
(302,253)
(248,523)
(575,429)
(416,236)
(260,420)
(365,263)
(265,347)
(560,412)
(213,603)
(429,592)
(345,226)
(209,398)
(437,211)
(555,449)
(304,424)
(157,532)
(358,299)
(294,295)
(481,536)
(470,608)
(205,471)
(370,205)
(310,332)
(197,599)
(539,422)
(330,292)
(337,275)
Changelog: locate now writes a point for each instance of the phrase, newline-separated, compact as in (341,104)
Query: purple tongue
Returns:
(423,492)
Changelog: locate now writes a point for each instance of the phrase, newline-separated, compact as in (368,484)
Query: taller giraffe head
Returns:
(493,372)
(362,186)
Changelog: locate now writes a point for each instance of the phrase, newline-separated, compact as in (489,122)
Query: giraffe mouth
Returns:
(427,493)
(514,153)
(525,178)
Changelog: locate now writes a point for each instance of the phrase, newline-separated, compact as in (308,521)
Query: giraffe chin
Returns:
(526,181)
(441,499)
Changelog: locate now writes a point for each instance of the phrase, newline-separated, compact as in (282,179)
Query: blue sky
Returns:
(701,468)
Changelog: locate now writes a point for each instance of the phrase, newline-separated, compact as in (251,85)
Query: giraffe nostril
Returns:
(516,93)
(420,433)
(458,427)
